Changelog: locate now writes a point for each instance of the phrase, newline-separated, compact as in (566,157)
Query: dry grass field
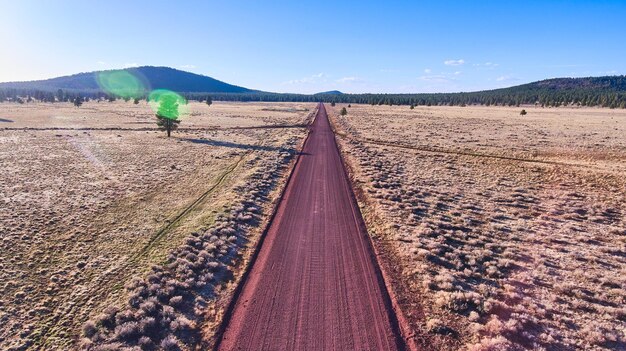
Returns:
(498,231)
(95,196)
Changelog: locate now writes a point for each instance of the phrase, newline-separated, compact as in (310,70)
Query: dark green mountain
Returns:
(332,92)
(157,77)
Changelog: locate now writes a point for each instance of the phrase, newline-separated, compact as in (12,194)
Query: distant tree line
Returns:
(599,91)
(30,95)
(546,98)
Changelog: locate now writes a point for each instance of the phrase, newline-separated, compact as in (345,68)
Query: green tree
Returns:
(136,102)
(332,104)
(343,111)
(412,106)
(209,100)
(523,113)
(167,114)
(78,101)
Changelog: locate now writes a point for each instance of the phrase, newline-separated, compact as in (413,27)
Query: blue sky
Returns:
(306,47)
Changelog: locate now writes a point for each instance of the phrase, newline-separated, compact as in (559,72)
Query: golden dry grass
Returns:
(507,231)
(93,196)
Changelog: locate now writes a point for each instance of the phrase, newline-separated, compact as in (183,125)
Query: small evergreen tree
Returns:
(136,102)
(209,100)
(412,106)
(167,114)
(78,101)
(332,104)
(344,111)
(523,113)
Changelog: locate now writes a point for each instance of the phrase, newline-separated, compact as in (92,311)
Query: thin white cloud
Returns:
(486,64)
(320,77)
(129,65)
(506,78)
(564,66)
(348,80)
(439,78)
(428,71)
(458,62)
(443,77)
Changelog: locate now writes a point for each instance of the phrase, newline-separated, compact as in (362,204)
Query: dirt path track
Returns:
(315,284)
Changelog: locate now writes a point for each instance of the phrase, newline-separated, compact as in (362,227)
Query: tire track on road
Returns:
(315,284)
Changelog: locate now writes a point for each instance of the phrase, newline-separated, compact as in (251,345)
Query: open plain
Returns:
(496,231)
(94,196)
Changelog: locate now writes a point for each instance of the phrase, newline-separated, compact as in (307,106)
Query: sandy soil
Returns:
(500,231)
(93,196)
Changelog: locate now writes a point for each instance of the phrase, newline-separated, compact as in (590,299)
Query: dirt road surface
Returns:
(315,284)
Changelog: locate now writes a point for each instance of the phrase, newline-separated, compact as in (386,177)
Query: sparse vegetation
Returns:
(85,247)
(496,246)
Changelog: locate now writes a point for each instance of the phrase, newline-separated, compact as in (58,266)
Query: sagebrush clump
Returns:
(500,251)
(165,309)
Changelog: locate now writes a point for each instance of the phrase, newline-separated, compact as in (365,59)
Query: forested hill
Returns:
(154,77)
(608,91)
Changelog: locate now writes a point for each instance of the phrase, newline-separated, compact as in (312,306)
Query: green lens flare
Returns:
(121,83)
(168,104)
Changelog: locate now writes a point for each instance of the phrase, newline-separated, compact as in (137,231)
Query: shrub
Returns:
(146,343)
(89,329)
(176,301)
(436,326)
(523,113)
(170,343)
(127,331)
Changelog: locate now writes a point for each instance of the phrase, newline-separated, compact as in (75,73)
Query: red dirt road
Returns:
(315,284)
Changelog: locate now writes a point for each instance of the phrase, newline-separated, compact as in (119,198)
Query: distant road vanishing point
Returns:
(315,284)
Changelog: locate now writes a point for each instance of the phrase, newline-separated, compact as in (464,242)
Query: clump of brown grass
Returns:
(524,254)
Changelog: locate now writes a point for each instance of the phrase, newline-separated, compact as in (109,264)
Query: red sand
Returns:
(315,284)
